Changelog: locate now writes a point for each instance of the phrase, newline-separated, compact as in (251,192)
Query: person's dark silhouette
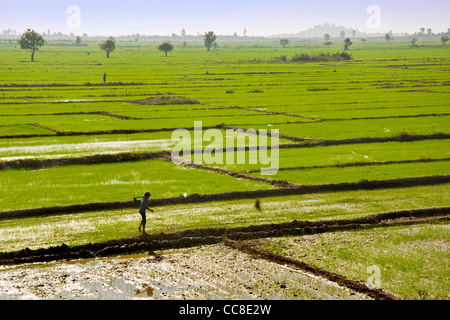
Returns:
(258,205)
(104,78)
(142,208)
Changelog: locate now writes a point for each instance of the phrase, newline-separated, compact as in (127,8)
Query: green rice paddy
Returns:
(59,107)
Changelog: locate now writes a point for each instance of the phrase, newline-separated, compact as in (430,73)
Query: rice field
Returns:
(353,252)
(383,115)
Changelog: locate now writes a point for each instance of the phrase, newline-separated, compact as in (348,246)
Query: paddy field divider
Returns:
(227,196)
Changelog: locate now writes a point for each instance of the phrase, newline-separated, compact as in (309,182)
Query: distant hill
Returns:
(318,31)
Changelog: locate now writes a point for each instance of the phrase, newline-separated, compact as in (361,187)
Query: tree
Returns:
(444,39)
(354,34)
(284,42)
(183,33)
(413,41)
(429,32)
(78,41)
(108,46)
(245,32)
(422,31)
(166,47)
(342,35)
(347,43)
(327,38)
(209,38)
(31,40)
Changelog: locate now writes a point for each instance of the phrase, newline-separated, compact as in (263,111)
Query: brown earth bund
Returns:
(403,137)
(87,84)
(233,195)
(33,164)
(195,237)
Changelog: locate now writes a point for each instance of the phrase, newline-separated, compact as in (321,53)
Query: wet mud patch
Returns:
(251,248)
(206,272)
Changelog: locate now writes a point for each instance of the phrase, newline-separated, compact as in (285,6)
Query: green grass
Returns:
(344,154)
(381,81)
(170,112)
(240,84)
(364,128)
(94,122)
(111,182)
(22,129)
(355,174)
(85,145)
(375,112)
(413,260)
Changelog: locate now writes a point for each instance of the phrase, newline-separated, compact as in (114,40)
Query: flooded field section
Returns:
(205,272)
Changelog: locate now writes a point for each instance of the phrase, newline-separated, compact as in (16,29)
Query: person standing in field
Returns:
(104,78)
(142,210)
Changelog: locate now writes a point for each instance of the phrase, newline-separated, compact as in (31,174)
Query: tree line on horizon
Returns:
(31,40)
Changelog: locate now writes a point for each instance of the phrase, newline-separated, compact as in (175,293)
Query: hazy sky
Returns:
(259,17)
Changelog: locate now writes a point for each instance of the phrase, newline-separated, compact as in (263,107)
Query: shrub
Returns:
(341,56)
(165,99)
(282,58)
(301,57)
(321,57)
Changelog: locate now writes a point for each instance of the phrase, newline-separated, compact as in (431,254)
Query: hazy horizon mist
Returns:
(259,18)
